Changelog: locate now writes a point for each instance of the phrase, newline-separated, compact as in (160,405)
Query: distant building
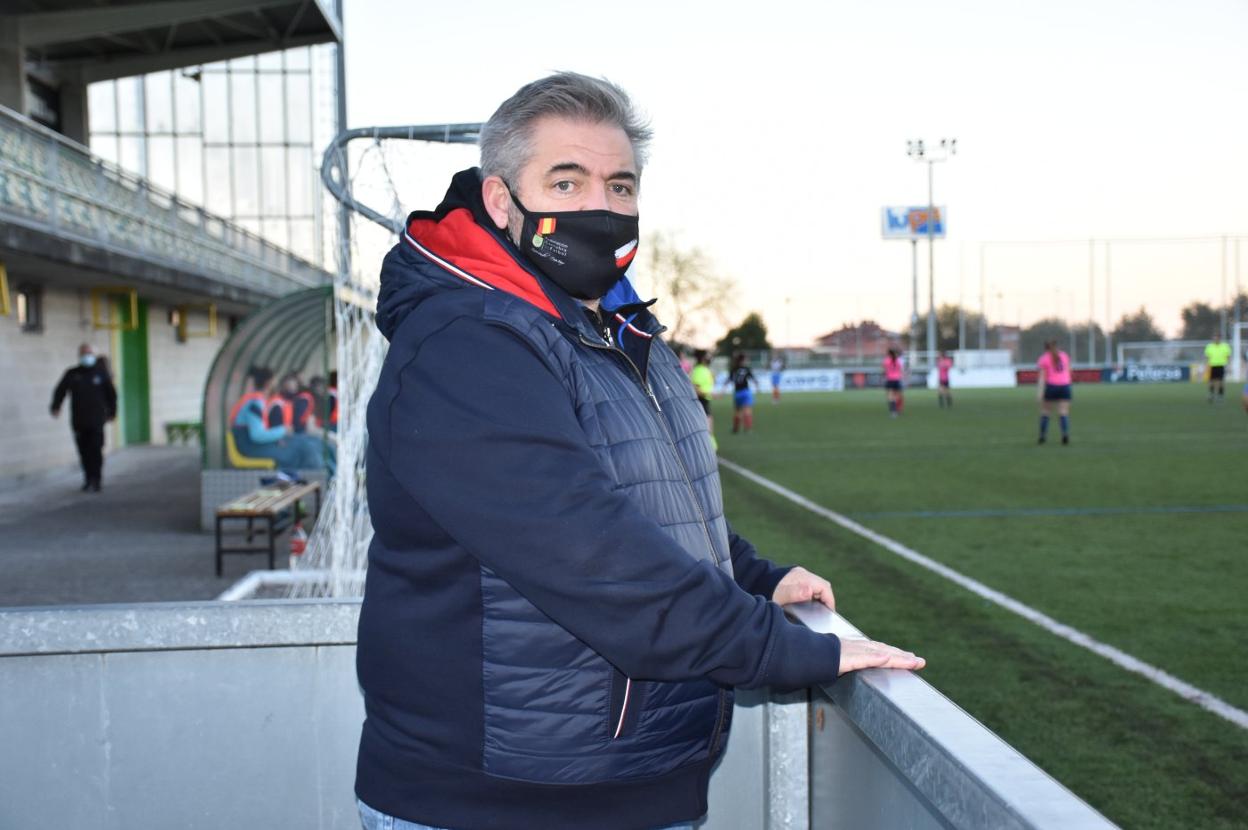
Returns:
(157,181)
(866,341)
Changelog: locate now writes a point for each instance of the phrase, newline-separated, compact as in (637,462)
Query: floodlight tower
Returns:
(919,151)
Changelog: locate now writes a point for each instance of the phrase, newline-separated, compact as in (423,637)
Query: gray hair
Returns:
(506,138)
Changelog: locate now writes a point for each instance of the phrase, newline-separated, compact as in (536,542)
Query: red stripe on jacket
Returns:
(460,241)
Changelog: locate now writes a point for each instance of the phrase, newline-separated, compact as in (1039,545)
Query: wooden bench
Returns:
(267,505)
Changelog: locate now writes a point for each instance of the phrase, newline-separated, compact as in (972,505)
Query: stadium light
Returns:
(917,150)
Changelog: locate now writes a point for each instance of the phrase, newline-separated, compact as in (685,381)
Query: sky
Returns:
(781,131)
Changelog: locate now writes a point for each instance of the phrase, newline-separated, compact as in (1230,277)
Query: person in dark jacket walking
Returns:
(556,609)
(92,404)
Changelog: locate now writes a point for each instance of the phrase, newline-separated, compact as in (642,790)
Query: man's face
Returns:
(85,349)
(575,165)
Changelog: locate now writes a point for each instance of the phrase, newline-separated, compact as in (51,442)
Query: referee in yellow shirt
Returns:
(704,386)
(1217,355)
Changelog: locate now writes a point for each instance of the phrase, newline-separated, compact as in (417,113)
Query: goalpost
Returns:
(1238,357)
(377,175)
(1185,352)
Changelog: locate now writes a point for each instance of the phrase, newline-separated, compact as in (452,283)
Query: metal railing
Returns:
(926,761)
(51,184)
(247,714)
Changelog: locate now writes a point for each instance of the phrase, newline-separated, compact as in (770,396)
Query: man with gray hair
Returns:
(556,609)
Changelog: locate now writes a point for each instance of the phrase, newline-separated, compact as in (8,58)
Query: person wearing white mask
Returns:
(92,404)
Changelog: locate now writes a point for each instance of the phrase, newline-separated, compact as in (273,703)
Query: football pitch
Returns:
(1136,535)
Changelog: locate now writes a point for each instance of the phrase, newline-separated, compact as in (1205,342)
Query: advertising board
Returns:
(1028,377)
(1131,373)
(911,222)
(1146,373)
(874,379)
(797,380)
(985,378)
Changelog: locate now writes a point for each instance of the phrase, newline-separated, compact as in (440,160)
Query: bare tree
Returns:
(693,298)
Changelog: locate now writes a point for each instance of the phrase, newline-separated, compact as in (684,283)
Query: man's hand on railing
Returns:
(815,611)
(860,653)
(800,585)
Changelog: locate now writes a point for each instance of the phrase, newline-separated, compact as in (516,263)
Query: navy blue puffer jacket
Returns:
(556,610)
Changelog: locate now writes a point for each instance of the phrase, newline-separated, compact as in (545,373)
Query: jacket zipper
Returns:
(628,691)
(666,432)
(719,720)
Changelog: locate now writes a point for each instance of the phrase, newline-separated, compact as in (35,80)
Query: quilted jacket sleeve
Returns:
(477,429)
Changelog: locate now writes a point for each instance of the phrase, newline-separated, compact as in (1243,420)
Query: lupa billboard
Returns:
(911,222)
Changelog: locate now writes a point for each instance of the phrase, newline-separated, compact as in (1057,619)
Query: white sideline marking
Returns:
(1184,690)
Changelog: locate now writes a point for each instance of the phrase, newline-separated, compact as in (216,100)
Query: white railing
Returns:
(51,184)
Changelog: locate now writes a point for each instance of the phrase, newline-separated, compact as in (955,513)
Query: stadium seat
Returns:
(245,462)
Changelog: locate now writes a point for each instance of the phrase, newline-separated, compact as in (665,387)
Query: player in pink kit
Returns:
(1053,385)
(943,364)
(892,382)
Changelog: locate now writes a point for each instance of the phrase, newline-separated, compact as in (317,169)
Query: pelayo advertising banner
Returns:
(1143,373)
(1131,373)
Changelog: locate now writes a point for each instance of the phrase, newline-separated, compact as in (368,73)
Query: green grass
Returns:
(1166,587)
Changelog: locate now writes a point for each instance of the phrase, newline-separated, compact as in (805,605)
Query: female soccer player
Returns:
(742,395)
(943,364)
(1053,385)
(777,369)
(893,367)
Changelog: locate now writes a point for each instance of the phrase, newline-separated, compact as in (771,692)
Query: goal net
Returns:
(1162,352)
(377,175)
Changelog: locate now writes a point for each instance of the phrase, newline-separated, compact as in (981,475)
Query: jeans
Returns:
(376,820)
(294,452)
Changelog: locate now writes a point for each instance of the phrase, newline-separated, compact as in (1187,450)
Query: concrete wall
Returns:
(177,371)
(32,443)
(255,727)
(247,715)
(31,364)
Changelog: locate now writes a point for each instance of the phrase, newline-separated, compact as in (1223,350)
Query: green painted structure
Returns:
(135,395)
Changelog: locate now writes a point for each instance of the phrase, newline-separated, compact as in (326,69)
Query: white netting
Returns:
(1162,352)
(391,171)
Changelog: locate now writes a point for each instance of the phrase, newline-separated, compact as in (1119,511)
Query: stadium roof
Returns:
(99,40)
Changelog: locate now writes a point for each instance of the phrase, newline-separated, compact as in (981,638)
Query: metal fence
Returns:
(51,184)
(247,715)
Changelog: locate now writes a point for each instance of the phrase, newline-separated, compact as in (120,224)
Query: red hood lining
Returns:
(475,256)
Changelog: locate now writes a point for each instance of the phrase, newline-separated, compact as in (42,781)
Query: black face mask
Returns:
(584,252)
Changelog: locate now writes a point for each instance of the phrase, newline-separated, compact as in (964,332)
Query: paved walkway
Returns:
(136,541)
